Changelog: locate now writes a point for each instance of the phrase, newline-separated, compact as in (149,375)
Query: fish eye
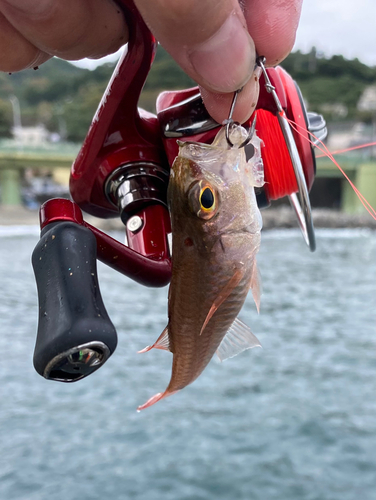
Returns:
(203,199)
(207,198)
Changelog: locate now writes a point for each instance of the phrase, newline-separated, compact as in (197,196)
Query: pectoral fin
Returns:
(255,285)
(163,342)
(237,339)
(222,296)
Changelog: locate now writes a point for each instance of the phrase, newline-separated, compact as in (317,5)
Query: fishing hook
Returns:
(230,123)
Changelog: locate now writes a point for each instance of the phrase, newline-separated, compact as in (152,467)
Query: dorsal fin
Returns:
(162,342)
(237,339)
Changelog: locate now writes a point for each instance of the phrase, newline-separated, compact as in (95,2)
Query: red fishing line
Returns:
(303,132)
(339,151)
(279,173)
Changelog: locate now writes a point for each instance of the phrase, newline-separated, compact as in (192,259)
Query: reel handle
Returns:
(75,334)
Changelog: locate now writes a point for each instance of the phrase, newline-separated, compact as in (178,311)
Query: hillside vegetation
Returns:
(64,97)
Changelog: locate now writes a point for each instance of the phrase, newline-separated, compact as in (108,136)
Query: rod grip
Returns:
(75,334)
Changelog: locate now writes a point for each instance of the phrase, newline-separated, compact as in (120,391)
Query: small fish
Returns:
(216,228)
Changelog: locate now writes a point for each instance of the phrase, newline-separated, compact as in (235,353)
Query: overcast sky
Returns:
(346,27)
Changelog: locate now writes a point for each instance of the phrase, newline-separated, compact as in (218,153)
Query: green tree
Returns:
(65,97)
(5,118)
(78,112)
(165,74)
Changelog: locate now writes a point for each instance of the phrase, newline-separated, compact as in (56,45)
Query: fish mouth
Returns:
(198,144)
(201,152)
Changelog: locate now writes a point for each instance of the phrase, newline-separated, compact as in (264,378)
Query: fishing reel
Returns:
(122,171)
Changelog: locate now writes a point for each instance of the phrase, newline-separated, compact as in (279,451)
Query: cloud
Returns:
(344,27)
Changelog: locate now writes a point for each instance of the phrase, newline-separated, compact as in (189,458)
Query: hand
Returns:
(32,31)
(214,41)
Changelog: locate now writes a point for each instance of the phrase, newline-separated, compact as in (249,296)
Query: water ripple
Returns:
(295,420)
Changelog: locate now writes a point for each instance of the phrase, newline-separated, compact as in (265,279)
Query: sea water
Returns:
(293,420)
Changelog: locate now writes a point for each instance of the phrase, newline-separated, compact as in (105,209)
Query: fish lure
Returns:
(216,227)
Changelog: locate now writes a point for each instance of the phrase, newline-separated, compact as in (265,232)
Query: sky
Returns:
(346,27)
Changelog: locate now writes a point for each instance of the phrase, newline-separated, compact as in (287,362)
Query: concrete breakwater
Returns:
(284,217)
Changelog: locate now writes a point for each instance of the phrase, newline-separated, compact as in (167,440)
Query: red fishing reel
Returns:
(122,171)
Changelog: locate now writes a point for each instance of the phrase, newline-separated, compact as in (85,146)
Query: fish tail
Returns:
(157,397)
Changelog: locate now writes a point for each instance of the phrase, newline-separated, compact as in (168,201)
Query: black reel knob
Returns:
(75,334)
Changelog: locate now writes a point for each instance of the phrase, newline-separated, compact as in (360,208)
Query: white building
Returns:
(367,101)
(31,136)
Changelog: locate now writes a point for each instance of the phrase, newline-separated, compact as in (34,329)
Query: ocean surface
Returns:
(295,420)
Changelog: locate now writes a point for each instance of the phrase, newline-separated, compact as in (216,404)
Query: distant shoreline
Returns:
(282,217)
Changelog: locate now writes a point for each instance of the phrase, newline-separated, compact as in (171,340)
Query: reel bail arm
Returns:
(299,201)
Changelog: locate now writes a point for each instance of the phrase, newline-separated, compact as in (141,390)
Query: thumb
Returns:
(209,39)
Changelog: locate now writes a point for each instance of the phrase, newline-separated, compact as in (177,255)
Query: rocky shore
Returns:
(281,217)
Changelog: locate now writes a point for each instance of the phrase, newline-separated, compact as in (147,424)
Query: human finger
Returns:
(16,52)
(273,25)
(72,29)
(208,39)
(219,104)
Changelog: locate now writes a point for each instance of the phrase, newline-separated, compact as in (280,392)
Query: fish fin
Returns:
(227,289)
(154,399)
(255,285)
(163,342)
(237,339)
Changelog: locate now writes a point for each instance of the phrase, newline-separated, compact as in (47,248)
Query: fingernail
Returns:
(226,61)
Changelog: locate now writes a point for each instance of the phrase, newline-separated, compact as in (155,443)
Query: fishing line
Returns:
(327,153)
(339,151)
(279,171)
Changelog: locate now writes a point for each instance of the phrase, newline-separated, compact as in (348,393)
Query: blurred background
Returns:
(294,420)
(45,113)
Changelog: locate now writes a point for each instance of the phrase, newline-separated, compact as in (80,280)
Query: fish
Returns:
(216,232)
